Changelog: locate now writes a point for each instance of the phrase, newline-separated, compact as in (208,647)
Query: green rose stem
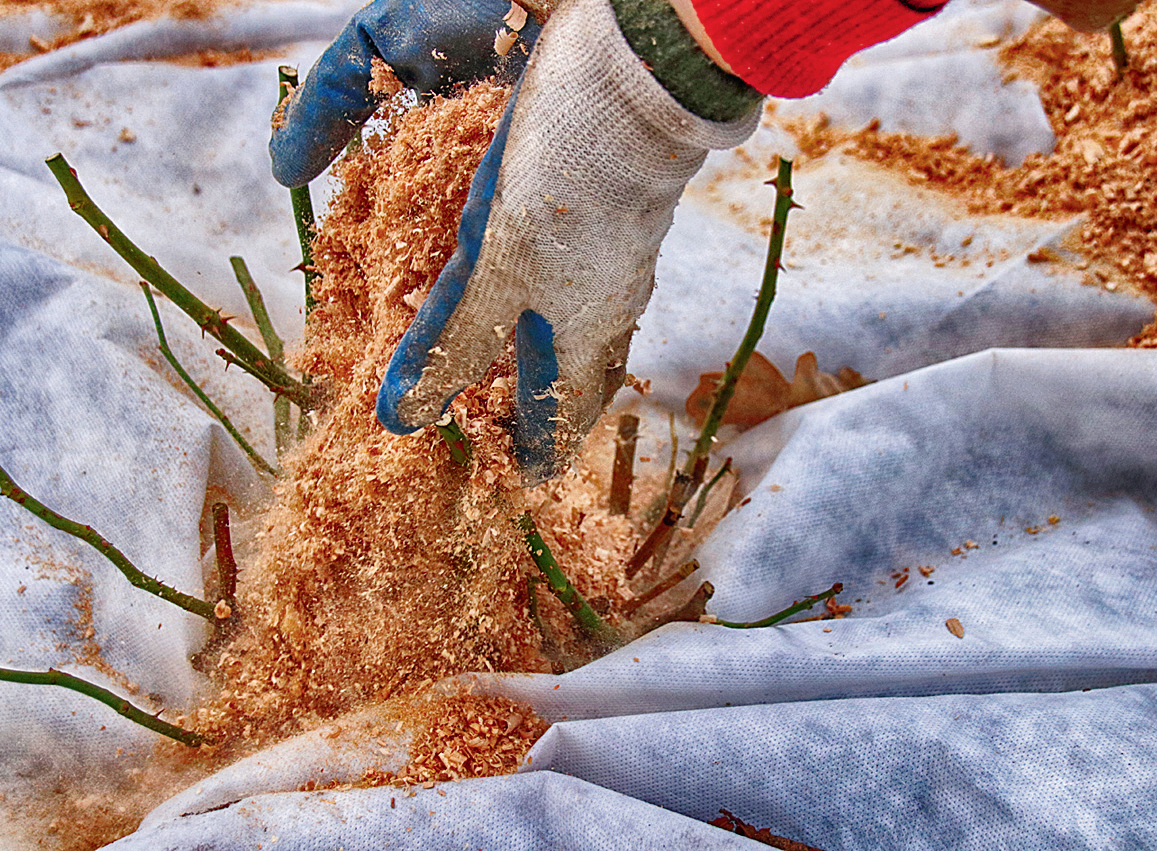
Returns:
(90,536)
(794,608)
(299,197)
(688,480)
(586,617)
(455,439)
(232,360)
(273,345)
(52,677)
(254,457)
(701,502)
(1120,54)
(209,320)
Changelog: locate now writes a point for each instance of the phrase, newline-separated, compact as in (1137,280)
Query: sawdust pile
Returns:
(463,736)
(83,19)
(386,566)
(1105,160)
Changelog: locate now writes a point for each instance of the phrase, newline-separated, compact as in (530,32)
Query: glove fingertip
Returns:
(386,409)
(290,169)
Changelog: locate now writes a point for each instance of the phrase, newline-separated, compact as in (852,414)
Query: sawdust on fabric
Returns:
(82,19)
(384,568)
(1106,151)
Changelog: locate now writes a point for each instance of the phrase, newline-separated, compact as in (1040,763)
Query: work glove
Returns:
(561,230)
(558,240)
(430,46)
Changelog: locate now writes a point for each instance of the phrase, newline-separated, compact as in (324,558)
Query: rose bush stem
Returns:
(52,677)
(254,456)
(691,476)
(90,536)
(586,617)
(299,198)
(210,321)
(273,345)
(794,608)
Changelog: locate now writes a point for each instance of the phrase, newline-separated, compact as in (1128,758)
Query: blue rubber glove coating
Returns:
(414,348)
(431,46)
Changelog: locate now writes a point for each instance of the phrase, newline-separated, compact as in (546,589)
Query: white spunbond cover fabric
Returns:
(887,732)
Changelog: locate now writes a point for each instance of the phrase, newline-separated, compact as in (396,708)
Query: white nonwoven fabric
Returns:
(974,455)
(95,427)
(888,731)
(518,813)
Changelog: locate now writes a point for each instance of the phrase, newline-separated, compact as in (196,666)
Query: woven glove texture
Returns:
(560,235)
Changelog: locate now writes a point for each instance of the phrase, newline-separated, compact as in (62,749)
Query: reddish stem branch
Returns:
(623,472)
(661,587)
(226,563)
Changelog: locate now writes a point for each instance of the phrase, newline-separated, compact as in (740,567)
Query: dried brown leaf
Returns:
(762,391)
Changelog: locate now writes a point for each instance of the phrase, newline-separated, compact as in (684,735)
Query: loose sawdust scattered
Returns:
(210,58)
(385,566)
(83,810)
(87,18)
(1105,158)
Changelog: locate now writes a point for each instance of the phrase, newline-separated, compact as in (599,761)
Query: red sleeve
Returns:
(793,48)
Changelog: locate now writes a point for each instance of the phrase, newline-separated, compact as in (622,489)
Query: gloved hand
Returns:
(559,237)
(562,226)
(431,47)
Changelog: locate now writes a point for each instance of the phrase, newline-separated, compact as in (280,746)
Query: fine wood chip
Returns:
(504,39)
(516,17)
(955,627)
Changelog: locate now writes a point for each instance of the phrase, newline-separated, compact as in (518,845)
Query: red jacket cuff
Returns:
(793,48)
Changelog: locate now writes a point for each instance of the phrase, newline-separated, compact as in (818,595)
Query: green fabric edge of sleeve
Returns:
(658,37)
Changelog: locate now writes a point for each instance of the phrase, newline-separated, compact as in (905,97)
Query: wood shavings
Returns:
(504,39)
(385,566)
(832,609)
(1101,167)
(955,627)
(467,736)
(383,81)
(541,9)
(516,17)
